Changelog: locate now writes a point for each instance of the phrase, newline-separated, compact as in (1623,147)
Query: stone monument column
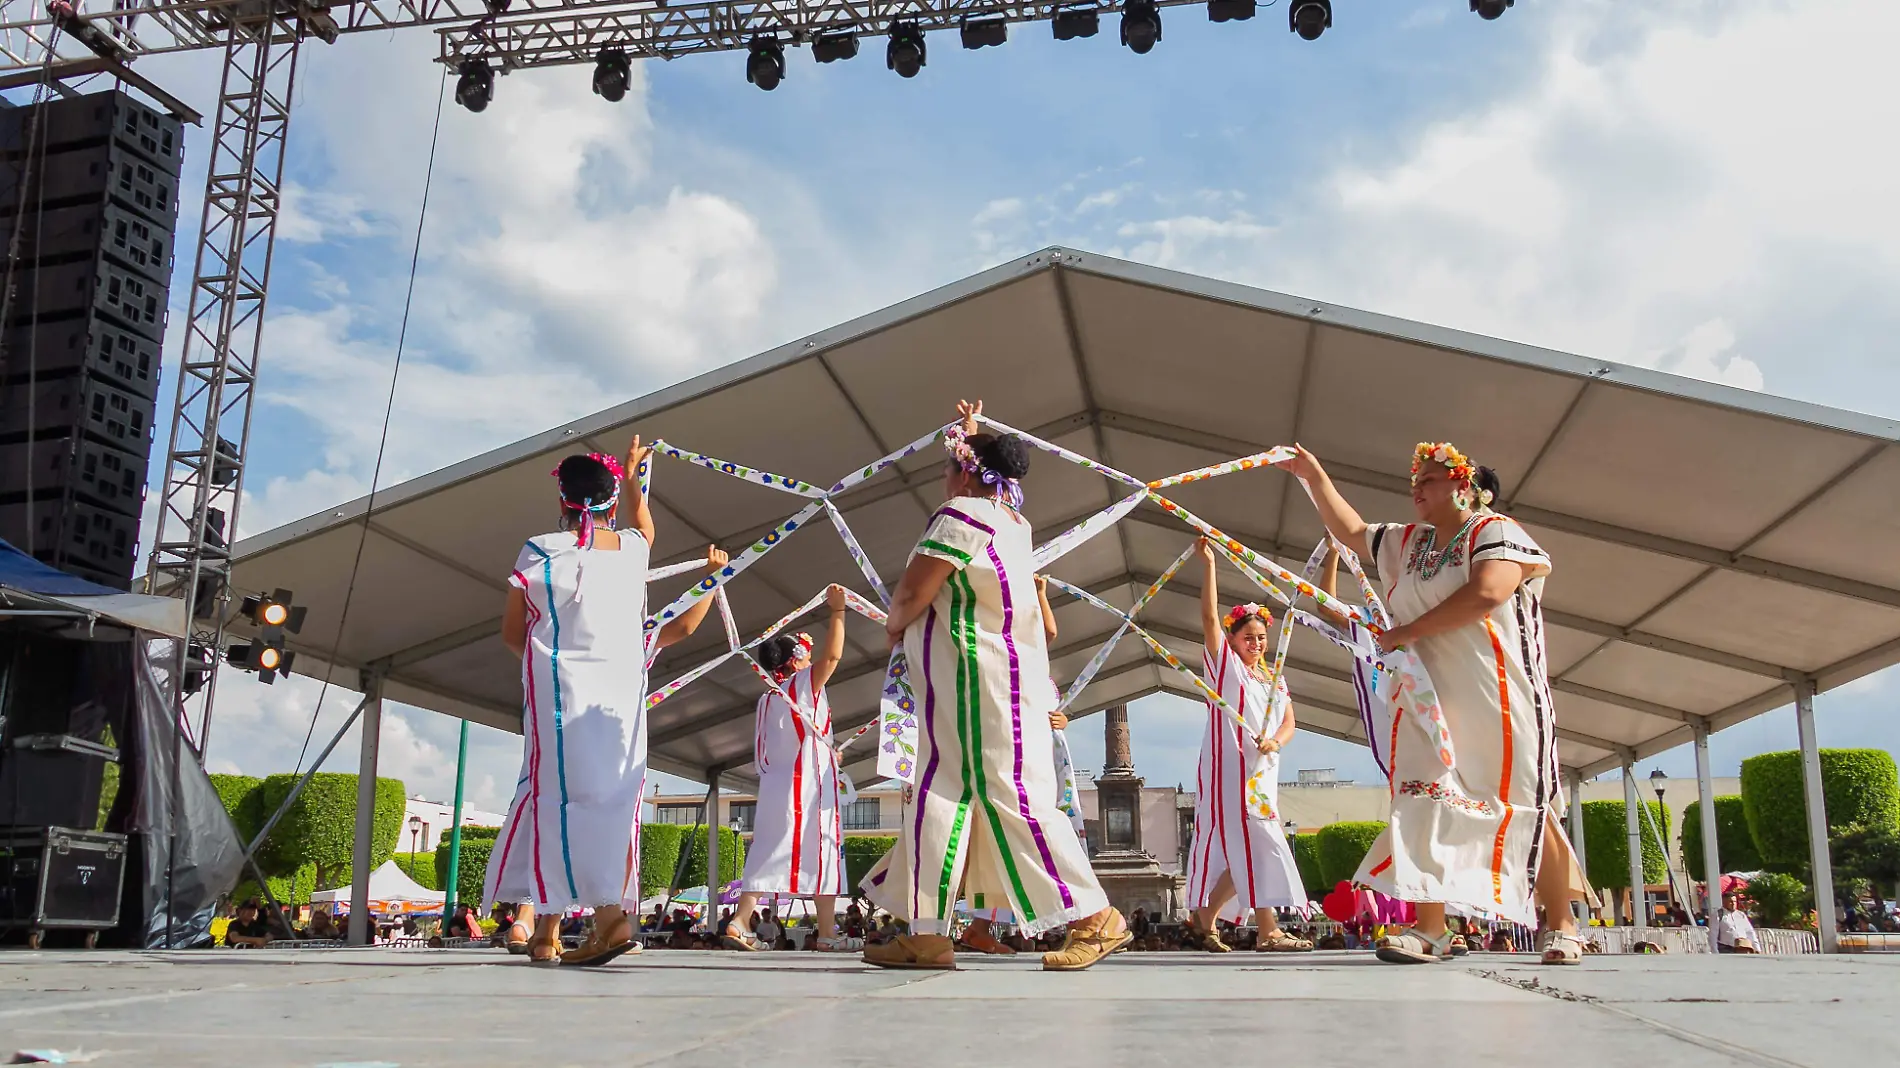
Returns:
(1129,874)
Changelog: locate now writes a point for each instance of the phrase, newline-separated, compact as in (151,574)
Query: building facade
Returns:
(425,824)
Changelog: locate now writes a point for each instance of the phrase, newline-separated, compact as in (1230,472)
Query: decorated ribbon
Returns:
(740,471)
(872,470)
(897,722)
(1067,795)
(1236,549)
(732,570)
(857,552)
(1069,540)
(1073,457)
(1101,655)
(670,570)
(1277,454)
(725,616)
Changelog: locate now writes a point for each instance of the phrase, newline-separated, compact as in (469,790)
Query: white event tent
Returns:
(1718,553)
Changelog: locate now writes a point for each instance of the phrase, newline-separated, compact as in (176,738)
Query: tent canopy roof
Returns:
(1712,547)
(387,883)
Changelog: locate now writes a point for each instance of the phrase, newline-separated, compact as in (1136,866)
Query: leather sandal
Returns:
(1281,942)
(994,947)
(1560,947)
(543,952)
(1211,940)
(933,952)
(1089,942)
(599,950)
(1411,947)
(518,946)
(737,937)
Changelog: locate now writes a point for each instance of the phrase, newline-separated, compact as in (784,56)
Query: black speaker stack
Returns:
(88,215)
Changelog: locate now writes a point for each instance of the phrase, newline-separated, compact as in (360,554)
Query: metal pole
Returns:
(1576,834)
(1638,897)
(712,847)
(291,798)
(1818,852)
(360,930)
(455,827)
(1711,854)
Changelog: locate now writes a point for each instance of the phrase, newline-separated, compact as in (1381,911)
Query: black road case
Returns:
(60,878)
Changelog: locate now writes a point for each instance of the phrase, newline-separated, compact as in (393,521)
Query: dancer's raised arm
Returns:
(682,628)
(1212,633)
(1339,517)
(833,653)
(1048,613)
(638,516)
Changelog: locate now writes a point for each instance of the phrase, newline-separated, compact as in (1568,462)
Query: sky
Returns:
(1702,187)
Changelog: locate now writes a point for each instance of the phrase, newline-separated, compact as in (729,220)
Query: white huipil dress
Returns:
(1468,836)
(982,813)
(797,838)
(571,837)
(1229,837)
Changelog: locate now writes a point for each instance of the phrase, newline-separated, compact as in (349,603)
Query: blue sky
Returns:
(1697,186)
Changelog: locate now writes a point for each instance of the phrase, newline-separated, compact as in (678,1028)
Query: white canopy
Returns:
(387,884)
(1712,546)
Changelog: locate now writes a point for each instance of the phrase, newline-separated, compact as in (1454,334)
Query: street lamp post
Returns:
(1659,781)
(415,829)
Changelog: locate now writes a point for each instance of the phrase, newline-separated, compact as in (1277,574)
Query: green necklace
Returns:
(1428,561)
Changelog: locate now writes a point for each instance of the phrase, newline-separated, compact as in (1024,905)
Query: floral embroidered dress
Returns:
(1469,835)
(1230,838)
(982,813)
(571,836)
(797,844)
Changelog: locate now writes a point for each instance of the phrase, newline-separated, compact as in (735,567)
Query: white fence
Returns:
(1696,940)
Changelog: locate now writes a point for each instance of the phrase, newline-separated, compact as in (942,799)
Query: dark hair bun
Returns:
(777,652)
(1484,478)
(584,478)
(1008,456)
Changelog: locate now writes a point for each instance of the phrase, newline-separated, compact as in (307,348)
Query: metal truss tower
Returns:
(211,423)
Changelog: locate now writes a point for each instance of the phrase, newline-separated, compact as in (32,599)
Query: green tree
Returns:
(861,854)
(1306,858)
(1779,900)
(289,890)
(659,856)
(1342,848)
(1734,846)
(1859,786)
(420,867)
(1869,855)
(320,826)
(1606,843)
(471,875)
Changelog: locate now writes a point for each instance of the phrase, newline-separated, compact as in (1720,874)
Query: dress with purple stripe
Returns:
(982,814)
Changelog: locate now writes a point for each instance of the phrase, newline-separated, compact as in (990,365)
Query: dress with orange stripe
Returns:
(1468,836)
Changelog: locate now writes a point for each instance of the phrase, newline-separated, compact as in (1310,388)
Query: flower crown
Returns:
(956,442)
(1246,611)
(804,643)
(612,464)
(1443,452)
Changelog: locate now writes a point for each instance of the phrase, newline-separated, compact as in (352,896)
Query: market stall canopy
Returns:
(29,586)
(1712,546)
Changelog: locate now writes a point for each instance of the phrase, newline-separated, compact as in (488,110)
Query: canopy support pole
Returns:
(361,932)
(1711,853)
(1818,854)
(1638,888)
(712,850)
(1576,835)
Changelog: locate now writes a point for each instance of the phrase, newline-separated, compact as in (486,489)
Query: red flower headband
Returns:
(1243,611)
(804,643)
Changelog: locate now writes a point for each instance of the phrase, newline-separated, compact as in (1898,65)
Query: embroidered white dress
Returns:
(982,813)
(1229,837)
(571,837)
(797,838)
(1469,835)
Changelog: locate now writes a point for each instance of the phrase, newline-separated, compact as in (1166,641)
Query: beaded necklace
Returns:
(1429,561)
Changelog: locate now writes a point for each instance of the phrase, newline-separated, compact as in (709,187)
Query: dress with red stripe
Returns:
(797,838)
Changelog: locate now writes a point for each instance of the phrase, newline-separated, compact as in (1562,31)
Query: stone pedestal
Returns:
(1129,874)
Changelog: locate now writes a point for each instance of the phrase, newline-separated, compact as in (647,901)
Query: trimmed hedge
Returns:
(420,867)
(1606,844)
(1859,786)
(471,875)
(472,831)
(861,854)
(1734,846)
(660,845)
(1306,858)
(288,890)
(1342,847)
(320,828)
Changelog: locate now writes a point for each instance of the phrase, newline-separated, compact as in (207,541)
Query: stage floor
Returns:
(411,1008)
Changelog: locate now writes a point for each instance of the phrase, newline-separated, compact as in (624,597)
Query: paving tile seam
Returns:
(1693,1038)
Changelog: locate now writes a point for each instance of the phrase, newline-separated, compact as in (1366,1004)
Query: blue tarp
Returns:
(21,572)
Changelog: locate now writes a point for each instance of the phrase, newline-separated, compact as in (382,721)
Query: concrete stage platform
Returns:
(413,1008)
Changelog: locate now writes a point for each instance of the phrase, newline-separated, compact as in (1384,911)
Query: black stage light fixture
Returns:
(1490,9)
(765,63)
(275,617)
(613,74)
(1309,18)
(475,84)
(497,7)
(1230,10)
(834,46)
(197,668)
(1072,22)
(1141,26)
(979,33)
(905,53)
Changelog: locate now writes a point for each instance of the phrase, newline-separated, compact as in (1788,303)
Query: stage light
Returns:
(1229,10)
(765,63)
(1141,26)
(273,614)
(980,33)
(1490,9)
(498,7)
(613,74)
(1309,18)
(832,47)
(475,84)
(1072,22)
(905,53)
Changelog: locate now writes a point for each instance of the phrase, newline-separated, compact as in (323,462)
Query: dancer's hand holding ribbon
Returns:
(970,411)
(834,599)
(1057,720)
(716,557)
(1303,465)
(637,454)
(1395,638)
(1269,746)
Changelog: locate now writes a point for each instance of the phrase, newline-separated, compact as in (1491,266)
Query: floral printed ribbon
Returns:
(858,555)
(740,471)
(1066,542)
(1272,456)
